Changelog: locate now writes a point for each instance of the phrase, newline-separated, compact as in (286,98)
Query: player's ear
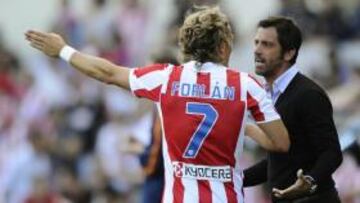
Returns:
(222,48)
(224,51)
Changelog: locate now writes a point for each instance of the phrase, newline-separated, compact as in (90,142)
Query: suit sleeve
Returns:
(256,174)
(318,120)
(146,82)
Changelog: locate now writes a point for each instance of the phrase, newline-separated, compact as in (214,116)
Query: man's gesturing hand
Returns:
(300,187)
(49,43)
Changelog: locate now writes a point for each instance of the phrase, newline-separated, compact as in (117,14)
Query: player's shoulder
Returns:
(255,80)
(140,71)
(154,66)
(247,76)
(233,71)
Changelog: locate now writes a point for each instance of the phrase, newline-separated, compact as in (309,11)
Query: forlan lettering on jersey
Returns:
(201,172)
(198,90)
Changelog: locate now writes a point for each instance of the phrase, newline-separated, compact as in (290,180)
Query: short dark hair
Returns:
(202,33)
(289,34)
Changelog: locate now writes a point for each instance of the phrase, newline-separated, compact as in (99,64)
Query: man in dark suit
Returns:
(303,175)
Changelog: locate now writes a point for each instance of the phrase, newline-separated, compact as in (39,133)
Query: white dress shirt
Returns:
(281,83)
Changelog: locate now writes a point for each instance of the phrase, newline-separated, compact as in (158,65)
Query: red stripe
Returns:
(204,191)
(138,72)
(233,79)
(178,190)
(167,122)
(153,95)
(230,192)
(253,105)
(257,82)
(204,79)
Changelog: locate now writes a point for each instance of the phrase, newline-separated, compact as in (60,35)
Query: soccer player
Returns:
(203,107)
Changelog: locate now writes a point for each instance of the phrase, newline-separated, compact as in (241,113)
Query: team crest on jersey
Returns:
(202,172)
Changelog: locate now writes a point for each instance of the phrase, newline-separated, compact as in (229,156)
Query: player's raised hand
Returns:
(49,43)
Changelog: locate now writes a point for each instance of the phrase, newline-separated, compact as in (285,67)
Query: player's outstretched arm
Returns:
(272,136)
(254,132)
(53,45)
(277,133)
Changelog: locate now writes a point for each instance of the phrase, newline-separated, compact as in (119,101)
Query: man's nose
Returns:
(257,49)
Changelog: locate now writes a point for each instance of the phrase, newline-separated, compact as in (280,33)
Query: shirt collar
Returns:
(204,66)
(284,79)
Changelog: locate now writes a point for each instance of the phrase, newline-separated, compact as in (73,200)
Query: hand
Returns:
(300,187)
(49,43)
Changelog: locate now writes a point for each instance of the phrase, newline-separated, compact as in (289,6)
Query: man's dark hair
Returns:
(289,34)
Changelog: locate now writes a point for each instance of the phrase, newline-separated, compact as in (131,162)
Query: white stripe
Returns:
(238,185)
(191,190)
(148,81)
(265,103)
(188,74)
(168,70)
(243,84)
(218,79)
(237,178)
(169,175)
(218,192)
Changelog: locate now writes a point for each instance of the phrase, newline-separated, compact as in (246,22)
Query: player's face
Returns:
(268,56)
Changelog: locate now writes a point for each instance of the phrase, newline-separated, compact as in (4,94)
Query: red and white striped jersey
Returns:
(203,112)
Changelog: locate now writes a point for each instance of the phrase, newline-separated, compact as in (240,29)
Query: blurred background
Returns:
(67,138)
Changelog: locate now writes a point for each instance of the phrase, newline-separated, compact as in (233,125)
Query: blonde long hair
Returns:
(202,34)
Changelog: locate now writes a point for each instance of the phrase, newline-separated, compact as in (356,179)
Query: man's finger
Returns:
(35,40)
(276,190)
(286,192)
(277,193)
(36,45)
(37,33)
(300,173)
(34,37)
(38,36)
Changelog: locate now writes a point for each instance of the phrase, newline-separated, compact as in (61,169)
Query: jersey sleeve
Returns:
(146,82)
(260,106)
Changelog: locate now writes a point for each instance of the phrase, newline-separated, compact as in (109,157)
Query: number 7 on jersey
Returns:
(210,116)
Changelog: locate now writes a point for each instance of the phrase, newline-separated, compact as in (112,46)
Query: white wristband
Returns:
(66,52)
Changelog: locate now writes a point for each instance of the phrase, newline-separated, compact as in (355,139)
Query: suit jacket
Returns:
(307,114)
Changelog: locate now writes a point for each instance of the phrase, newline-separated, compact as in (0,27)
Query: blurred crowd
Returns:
(66,138)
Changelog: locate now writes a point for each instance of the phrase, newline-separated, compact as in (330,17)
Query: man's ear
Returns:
(289,55)
(223,47)
(224,51)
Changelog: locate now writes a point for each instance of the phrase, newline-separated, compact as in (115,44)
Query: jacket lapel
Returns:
(287,91)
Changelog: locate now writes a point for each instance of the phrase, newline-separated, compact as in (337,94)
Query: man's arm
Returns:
(52,44)
(318,121)
(266,117)
(271,136)
(317,118)
(256,174)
